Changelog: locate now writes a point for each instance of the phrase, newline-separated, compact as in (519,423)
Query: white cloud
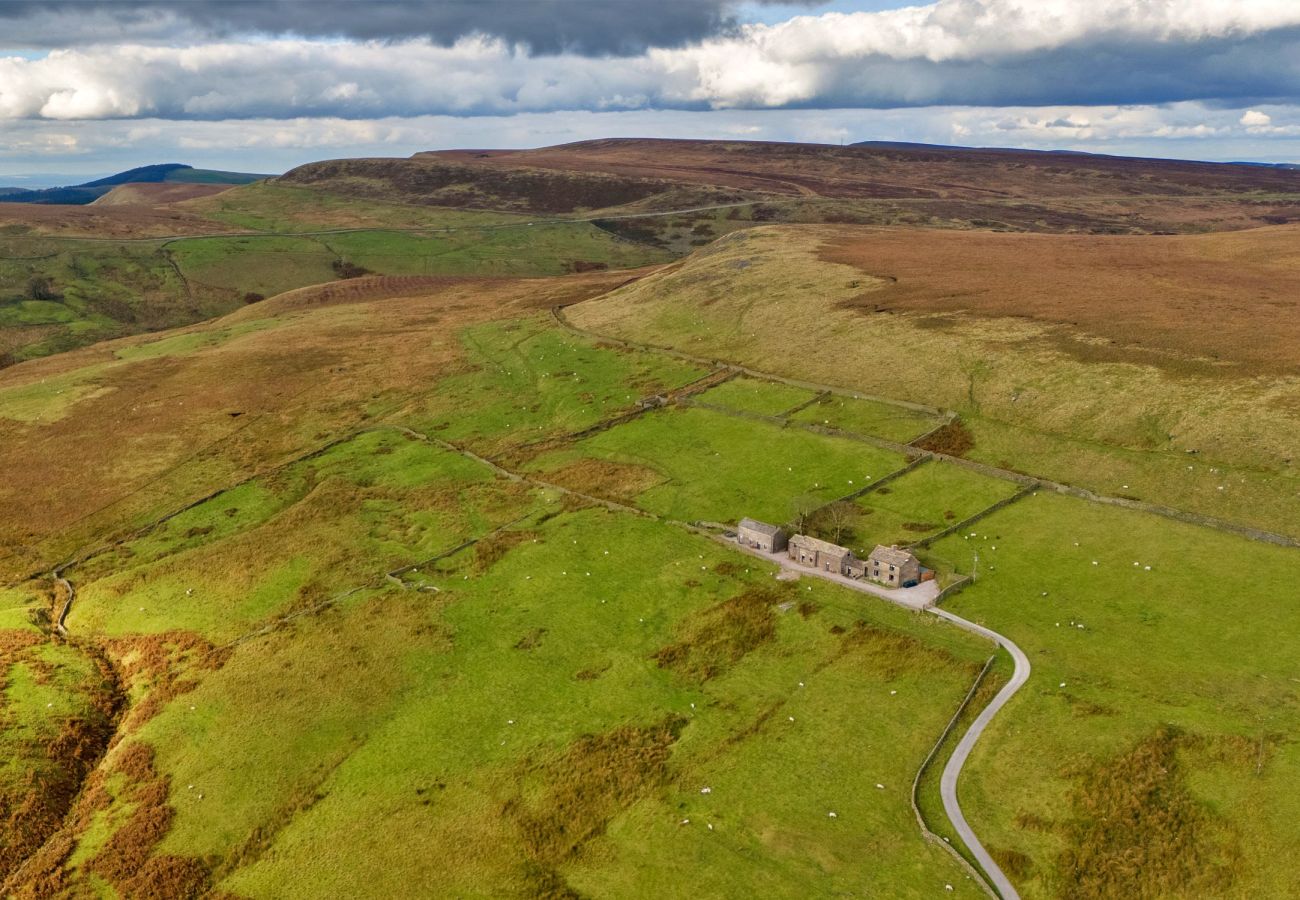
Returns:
(1188,130)
(1255,118)
(976,52)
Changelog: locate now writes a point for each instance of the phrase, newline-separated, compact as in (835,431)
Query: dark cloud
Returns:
(587,27)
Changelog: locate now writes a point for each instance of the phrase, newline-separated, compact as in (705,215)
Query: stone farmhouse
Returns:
(761,536)
(893,567)
(890,566)
(818,554)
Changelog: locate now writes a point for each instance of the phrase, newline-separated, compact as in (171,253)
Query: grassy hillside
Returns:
(432,535)
(419,577)
(56,294)
(677,695)
(1160,721)
(1211,436)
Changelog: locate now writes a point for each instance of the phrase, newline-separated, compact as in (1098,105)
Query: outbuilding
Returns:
(761,536)
(818,554)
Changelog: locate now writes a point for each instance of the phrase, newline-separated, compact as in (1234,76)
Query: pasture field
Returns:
(1162,716)
(526,380)
(697,464)
(537,726)
(1048,380)
(863,416)
(922,502)
(266,265)
(766,398)
(316,529)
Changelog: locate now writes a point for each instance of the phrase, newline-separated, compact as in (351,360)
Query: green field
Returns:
(1161,718)
(709,466)
(861,416)
(926,500)
(332,523)
(766,398)
(528,380)
(527,673)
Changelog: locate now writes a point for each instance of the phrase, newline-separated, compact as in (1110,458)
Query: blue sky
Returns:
(95,87)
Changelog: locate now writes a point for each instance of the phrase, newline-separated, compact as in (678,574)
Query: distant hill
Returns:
(913,145)
(872,183)
(90,191)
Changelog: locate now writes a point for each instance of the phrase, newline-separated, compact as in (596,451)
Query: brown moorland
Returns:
(159,193)
(1148,194)
(107,222)
(158,423)
(1166,300)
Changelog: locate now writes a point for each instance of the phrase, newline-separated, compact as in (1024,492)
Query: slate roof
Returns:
(890,555)
(812,543)
(760,527)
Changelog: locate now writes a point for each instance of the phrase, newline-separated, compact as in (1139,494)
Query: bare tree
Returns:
(802,509)
(836,522)
(41,288)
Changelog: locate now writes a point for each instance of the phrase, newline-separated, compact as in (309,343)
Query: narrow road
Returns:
(921,599)
(952,771)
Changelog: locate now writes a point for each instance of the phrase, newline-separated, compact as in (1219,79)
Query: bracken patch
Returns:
(1137,831)
(711,641)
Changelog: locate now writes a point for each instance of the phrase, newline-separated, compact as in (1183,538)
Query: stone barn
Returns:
(818,554)
(761,536)
(893,567)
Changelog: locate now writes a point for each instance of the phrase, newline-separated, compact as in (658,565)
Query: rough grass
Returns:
(766,398)
(527,380)
(720,468)
(582,788)
(926,500)
(766,298)
(57,706)
(861,416)
(1138,831)
(713,640)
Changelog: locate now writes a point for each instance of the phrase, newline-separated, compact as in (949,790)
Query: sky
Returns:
(89,87)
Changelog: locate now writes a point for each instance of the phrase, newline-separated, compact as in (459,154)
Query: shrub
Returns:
(41,288)
(346,269)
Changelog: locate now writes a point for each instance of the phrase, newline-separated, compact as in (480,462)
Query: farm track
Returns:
(952,771)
